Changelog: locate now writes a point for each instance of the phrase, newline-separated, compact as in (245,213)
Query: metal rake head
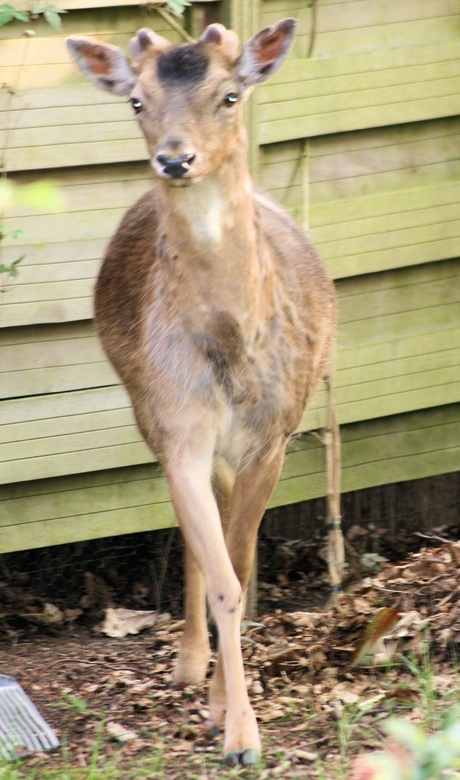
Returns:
(22,729)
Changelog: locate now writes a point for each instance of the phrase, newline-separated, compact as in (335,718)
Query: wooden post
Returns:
(335,546)
(244,17)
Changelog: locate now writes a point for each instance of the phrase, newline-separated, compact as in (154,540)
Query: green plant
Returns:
(424,674)
(177,6)
(79,706)
(412,754)
(43,195)
(51,13)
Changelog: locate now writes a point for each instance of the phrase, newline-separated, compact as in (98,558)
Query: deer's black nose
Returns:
(175,167)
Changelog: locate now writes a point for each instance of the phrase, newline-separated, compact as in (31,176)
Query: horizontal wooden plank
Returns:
(385,318)
(350,15)
(400,105)
(355,236)
(413,288)
(52,359)
(372,161)
(68,509)
(45,88)
(60,434)
(63,251)
(308,98)
(366,162)
(409,246)
(59,358)
(275,97)
(403,205)
(355,41)
(76,5)
(383,87)
(357,64)
(105,20)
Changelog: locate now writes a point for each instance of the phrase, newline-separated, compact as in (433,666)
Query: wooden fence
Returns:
(358,136)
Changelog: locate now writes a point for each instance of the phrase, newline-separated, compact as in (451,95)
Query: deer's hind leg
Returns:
(252,490)
(194,652)
(192,661)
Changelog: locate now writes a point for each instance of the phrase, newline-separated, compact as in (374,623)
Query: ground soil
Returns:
(310,670)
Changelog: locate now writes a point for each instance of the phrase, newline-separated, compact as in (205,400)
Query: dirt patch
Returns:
(300,666)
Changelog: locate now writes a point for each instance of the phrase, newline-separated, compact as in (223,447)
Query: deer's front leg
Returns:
(252,491)
(193,658)
(189,475)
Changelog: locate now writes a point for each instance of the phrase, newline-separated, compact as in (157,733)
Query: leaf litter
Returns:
(321,681)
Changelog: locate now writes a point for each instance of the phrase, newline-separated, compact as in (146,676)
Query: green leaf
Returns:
(177,6)
(12,269)
(14,272)
(38,8)
(16,234)
(7,194)
(451,716)
(79,705)
(407,734)
(43,195)
(5,17)
(53,18)
(250,624)
(22,16)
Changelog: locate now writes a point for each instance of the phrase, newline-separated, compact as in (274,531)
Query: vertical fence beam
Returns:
(244,17)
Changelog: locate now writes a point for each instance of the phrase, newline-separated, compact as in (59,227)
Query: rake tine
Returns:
(22,728)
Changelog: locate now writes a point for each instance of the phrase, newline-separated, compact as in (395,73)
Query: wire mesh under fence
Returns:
(380,524)
(145,570)
(138,571)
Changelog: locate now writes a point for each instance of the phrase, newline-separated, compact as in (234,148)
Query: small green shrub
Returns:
(412,754)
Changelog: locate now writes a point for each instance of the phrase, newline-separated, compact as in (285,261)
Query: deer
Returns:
(219,316)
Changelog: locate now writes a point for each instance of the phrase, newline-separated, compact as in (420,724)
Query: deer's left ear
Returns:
(265,53)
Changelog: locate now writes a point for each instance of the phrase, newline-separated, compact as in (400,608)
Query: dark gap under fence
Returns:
(144,570)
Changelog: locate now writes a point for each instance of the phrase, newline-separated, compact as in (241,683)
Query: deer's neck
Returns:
(209,238)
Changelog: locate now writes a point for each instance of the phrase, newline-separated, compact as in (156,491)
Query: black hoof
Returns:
(242,757)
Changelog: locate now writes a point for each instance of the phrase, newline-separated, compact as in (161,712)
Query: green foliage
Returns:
(43,195)
(78,705)
(177,6)
(50,12)
(413,754)
(12,269)
(8,14)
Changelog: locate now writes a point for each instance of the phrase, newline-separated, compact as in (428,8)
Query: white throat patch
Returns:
(203,209)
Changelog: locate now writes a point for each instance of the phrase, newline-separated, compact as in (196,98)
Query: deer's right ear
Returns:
(105,65)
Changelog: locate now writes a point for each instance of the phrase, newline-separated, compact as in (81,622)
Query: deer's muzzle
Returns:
(174,167)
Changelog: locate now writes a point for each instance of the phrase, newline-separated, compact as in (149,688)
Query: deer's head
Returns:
(188,99)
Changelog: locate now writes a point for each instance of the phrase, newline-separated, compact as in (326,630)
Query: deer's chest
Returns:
(248,382)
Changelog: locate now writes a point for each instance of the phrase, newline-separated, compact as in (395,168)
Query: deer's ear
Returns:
(105,65)
(265,53)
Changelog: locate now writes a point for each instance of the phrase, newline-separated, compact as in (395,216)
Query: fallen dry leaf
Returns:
(118,732)
(120,622)
(49,616)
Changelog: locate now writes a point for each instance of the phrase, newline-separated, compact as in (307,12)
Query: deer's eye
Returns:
(231,99)
(136,104)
